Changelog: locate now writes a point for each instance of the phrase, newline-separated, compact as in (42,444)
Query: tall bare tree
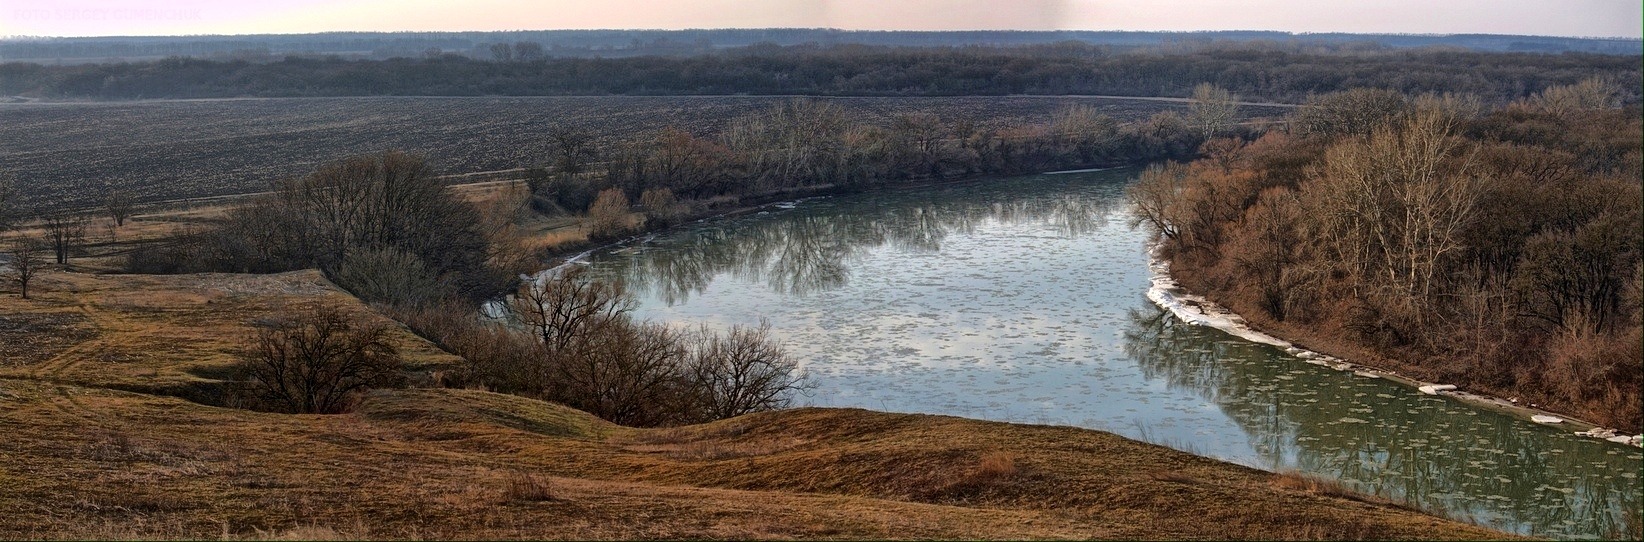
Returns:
(118,204)
(568,307)
(571,150)
(65,233)
(27,261)
(1214,109)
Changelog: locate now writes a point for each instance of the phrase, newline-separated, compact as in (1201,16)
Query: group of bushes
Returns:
(811,144)
(1498,249)
(572,340)
(384,228)
(564,339)
(381,225)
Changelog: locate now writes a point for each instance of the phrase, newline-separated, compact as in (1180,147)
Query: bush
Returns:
(740,372)
(387,275)
(660,207)
(608,217)
(317,361)
(571,340)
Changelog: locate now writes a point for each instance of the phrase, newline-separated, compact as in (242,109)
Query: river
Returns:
(1024,300)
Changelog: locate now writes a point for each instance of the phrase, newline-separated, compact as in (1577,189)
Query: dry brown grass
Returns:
(1295,481)
(527,487)
(84,459)
(997,466)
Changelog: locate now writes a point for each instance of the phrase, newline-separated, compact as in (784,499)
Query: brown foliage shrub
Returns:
(608,216)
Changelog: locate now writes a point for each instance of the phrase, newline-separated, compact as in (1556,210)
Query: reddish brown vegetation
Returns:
(1499,251)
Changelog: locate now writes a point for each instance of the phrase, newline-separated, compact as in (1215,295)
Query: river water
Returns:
(1024,300)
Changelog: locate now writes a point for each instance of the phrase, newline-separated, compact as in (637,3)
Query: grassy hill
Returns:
(107,382)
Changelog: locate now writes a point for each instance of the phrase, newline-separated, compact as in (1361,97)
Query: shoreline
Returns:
(1198,310)
(555,259)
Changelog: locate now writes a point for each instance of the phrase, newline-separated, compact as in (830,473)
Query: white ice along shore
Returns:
(1196,310)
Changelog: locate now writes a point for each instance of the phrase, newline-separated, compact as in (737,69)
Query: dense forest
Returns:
(1498,249)
(1255,70)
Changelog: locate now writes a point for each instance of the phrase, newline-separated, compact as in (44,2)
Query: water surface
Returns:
(1023,300)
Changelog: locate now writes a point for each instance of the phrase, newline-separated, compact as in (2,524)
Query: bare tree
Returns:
(1089,133)
(1399,214)
(571,149)
(118,204)
(1590,93)
(318,360)
(1214,109)
(568,307)
(65,233)
(1154,196)
(624,372)
(740,372)
(527,51)
(502,52)
(26,262)
(1357,111)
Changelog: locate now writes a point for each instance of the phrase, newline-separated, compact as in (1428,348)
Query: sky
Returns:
(1586,18)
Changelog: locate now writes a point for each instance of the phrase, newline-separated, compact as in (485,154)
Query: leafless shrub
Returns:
(741,371)
(316,361)
(572,341)
(387,275)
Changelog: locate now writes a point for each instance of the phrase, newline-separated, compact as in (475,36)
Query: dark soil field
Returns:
(71,154)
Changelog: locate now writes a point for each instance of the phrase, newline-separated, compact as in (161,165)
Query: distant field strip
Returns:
(71,154)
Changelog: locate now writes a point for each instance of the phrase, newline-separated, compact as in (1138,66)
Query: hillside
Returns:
(84,459)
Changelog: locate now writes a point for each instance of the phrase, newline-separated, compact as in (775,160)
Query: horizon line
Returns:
(1202,31)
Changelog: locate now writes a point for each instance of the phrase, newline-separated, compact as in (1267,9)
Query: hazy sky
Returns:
(1608,18)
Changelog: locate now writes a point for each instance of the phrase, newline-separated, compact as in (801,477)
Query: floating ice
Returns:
(1434,389)
(1196,310)
(1091,170)
(1538,418)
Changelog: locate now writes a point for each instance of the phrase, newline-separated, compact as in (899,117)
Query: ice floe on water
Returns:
(1197,310)
(1064,172)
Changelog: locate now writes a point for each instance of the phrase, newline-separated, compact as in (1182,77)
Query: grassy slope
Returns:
(81,458)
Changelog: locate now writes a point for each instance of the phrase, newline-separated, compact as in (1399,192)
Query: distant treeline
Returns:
(383,45)
(1267,71)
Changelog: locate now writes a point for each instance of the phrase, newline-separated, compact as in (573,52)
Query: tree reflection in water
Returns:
(1388,440)
(809,249)
(1010,297)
